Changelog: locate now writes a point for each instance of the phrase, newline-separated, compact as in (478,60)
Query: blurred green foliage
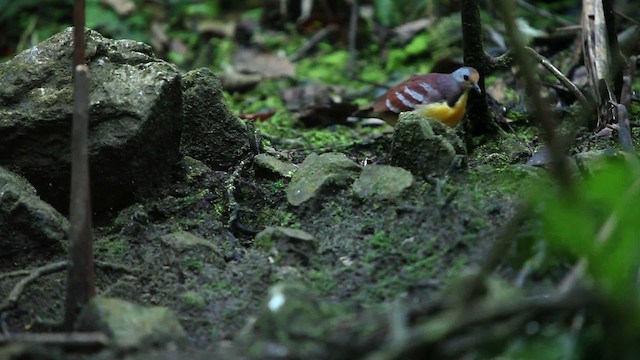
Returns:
(598,222)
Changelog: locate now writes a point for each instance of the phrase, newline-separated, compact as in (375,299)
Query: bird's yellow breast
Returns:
(450,116)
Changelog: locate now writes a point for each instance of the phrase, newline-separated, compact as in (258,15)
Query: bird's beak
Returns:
(476,87)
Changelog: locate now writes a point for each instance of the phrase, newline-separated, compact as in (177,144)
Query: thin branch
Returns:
(560,76)
(12,300)
(313,41)
(544,13)
(67,340)
(18,289)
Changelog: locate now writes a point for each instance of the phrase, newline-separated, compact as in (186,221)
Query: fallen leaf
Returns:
(268,65)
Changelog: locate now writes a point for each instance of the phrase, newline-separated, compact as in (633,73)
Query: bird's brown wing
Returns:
(417,90)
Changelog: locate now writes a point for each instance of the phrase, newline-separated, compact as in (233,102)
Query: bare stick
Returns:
(81,274)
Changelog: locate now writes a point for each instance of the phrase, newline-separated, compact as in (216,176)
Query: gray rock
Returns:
(135,118)
(288,246)
(382,182)
(131,326)
(418,148)
(26,222)
(319,173)
(211,134)
(270,166)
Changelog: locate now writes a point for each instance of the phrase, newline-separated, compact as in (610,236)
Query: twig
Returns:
(313,41)
(496,321)
(544,13)
(626,17)
(560,76)
(74,340)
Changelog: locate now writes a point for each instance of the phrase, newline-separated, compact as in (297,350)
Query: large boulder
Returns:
(135,118)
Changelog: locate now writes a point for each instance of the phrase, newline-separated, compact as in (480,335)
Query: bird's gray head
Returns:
(467,77)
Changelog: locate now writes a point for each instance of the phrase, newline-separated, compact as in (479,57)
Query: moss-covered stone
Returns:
(193,169)
(270,166)
(419,149)
(288,246)
(318,173)
(27,223)
(382,182)
(131,326)
(212,134)
(293,319)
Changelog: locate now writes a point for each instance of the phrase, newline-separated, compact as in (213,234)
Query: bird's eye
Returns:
(466,78)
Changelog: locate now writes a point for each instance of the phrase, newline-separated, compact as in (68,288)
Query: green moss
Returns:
(278,217)
(192,263)
(192,300)
(329,67)
(111,247)
(191,200)
(321,281)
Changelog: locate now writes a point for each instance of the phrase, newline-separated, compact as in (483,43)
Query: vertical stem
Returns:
(474,55)
(78,32)
(559,164)
(81,274)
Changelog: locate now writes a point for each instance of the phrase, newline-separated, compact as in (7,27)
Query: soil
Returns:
(368,253)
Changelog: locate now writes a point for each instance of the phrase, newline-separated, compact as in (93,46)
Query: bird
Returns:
(439,96)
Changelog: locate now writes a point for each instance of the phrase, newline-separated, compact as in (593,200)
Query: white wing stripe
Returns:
(391,107)
(414,94)
(426,87)
(404,100)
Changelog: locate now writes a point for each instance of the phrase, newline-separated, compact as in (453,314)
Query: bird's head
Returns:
(468,78)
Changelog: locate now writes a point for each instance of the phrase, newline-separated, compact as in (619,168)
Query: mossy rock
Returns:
(425,146)
(320,173)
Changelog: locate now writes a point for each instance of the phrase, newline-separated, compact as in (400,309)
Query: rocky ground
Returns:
(237,248)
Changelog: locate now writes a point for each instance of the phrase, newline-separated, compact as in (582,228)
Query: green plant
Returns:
(598,223)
